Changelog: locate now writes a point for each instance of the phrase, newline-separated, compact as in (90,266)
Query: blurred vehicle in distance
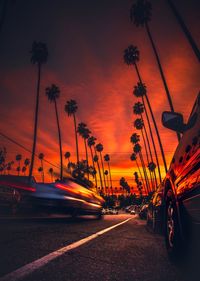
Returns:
(109,211)
(182,184)
(155,210)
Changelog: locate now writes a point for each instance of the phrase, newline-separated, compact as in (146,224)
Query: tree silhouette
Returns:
(40,170)
(39,55)
(137,150)
(133,157)
(138,109)
(139,125)
(96,160)
(67,156)
(91,142)
(84,132)
(140,91)
(71,109)
(99,148)
(140,15)
(53,93)
(18,159)
(51,173)
(131,57)
(107,159)
(185,30)
(41,157)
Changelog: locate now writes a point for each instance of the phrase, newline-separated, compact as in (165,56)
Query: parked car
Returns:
(143,211)
(155,210)
(182,182)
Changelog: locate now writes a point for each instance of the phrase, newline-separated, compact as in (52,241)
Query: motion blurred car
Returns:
(155,210)
(69,196)
(182,183)
(15,192)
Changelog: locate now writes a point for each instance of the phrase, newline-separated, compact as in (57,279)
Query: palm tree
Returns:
(40,170)
(39,55)
(24,170)
(84,132)
(138,109)
(139,125)
(133,157)
(185,29)
(135,138)
(51,173)
(106,174)
(18,158)
(131,57)
(67,156)
(137,149)
(107,159)
(41,157)
(99,148)
(96,160)
(26,164)
(71,109)
(140,15)
(53,94)
(91,142)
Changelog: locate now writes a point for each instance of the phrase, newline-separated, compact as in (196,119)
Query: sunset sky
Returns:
(86,40)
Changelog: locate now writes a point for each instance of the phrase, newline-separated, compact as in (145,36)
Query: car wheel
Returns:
(173,238)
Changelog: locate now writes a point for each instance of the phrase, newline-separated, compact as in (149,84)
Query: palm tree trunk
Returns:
(95,176)
(152,139)
(76,137)
(60,142)
(42,173)
(154,122)
(140,172)
(144,172)
(86,154)
(99,169)
(103,169)
(185,30)
(147,156)
(149,148)
(36,123)
(161,72)
(110,174)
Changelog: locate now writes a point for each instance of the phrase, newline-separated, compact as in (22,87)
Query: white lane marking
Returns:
(30,267)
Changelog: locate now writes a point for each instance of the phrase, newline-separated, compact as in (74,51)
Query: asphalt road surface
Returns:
(118,247)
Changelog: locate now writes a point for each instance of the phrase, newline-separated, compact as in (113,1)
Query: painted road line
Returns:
(30,267)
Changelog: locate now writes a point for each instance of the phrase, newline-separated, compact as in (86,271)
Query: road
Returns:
(126,252)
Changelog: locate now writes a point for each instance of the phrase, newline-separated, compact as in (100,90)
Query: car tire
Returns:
(173,240)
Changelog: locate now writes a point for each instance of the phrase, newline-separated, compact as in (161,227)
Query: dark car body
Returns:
(15,192)
(182,186)
(155,210)
(68,196)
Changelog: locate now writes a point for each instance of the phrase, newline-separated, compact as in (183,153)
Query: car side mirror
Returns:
(173,121)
